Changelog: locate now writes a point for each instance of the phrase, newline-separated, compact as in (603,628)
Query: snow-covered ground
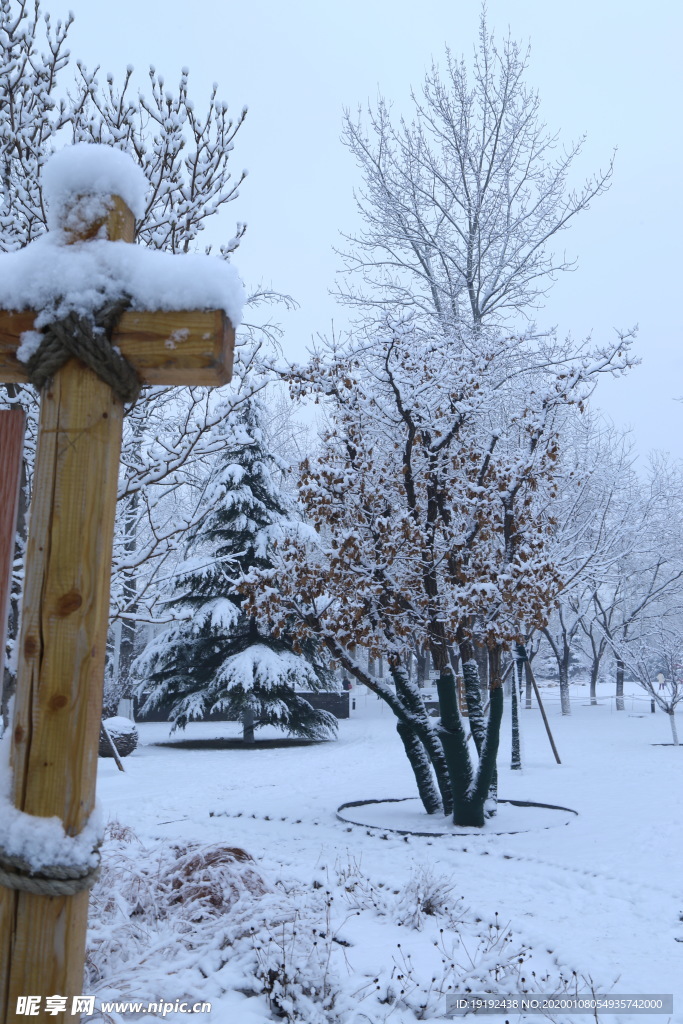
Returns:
(601,895)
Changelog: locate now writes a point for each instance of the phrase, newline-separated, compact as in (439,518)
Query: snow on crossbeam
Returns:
(182,309)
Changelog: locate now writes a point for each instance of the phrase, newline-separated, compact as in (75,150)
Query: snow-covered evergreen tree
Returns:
(215,658)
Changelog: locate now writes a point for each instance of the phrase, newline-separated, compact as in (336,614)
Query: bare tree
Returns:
(646,581)
(655,661)
(590,536)
(461,204)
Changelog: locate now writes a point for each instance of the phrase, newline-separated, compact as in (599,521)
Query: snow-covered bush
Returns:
(322,951)
(123,734)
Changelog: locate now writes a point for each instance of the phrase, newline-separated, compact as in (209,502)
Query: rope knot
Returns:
(89,340)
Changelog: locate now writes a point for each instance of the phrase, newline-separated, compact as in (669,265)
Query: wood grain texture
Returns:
(118,224)
(58,704)
(61,661)
(11,450)
(187,348)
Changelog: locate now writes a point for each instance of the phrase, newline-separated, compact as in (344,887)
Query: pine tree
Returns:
(215,658)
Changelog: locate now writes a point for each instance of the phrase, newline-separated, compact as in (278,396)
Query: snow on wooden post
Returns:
(11,445)
(73,273)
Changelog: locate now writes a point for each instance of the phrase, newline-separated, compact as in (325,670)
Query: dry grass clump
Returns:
(164,898)
(209,880)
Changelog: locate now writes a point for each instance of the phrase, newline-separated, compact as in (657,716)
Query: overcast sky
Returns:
(611,68)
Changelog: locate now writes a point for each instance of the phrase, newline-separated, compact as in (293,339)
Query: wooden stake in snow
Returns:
(57,716)
(530,676)
(11,444)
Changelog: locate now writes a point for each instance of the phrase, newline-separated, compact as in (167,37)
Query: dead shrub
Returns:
(209,880)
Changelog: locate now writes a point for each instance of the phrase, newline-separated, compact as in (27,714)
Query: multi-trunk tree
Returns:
(430,498)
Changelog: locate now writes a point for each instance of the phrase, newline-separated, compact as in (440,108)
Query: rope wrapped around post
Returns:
(88,340)
(52,880)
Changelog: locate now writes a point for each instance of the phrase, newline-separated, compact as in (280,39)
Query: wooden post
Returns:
(58,708)
(11,448)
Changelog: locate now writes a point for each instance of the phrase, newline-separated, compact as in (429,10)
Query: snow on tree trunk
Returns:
(620,684)
(565,702)
(434,748)
(516,756)
(480,657)
(674,731)
(454,741)
(472,790)
(421,764)
(475,711)
(595,669)
(475,707)
(411,698)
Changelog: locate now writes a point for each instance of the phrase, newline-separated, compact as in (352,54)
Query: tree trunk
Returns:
(620,685)
(528,693)
(480,655)
(407,704)
(412,700)
(454,741)
(565,703)
(422,661)
(248,726)
(434,748)
(674,732)
(475,709)
(495,684)
(471,791)
(595,670)
(421,764)
(516,756)
(520,658)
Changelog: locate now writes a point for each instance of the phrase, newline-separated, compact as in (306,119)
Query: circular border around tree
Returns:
(455,831)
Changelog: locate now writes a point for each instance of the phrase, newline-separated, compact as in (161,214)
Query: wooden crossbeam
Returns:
(186,348)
